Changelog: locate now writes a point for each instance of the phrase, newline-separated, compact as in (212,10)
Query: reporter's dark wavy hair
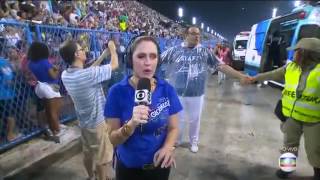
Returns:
(38,51)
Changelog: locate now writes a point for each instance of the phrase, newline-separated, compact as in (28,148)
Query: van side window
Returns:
(308,31)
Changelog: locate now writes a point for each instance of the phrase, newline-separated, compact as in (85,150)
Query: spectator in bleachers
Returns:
(29,9)
(74,18)
(22,89)
(123,23)
(4,10)
(14,57)
(14,9)
(49,20)
(47,87)
(36,109)
(7,102)
(12,35)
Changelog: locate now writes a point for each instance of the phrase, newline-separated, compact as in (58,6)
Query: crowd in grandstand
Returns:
(116,16)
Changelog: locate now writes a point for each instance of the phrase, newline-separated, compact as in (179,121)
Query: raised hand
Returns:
(112,46)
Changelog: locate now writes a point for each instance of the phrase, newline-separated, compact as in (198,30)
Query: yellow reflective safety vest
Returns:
(305,108)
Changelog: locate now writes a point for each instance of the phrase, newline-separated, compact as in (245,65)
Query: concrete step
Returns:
(27,159)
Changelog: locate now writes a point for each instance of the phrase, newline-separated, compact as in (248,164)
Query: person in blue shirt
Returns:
(144,136)
(7,101)
(47,88)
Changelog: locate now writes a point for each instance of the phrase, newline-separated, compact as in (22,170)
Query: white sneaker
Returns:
(194,148)
(61,133)
(63,130)
(63,127)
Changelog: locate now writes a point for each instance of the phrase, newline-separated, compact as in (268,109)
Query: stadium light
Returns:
(274,12)
(208,29)
(297,3)
(194,20)
(211,31)
(202,25)
(180,12)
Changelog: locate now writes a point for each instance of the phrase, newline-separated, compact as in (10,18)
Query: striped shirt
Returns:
(84,87)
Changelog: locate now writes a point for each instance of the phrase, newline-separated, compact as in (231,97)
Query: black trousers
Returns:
(124,173)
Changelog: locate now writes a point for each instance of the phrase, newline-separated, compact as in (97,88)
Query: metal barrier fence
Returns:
(21,112)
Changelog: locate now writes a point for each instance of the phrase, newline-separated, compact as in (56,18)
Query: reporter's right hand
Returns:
(140,115)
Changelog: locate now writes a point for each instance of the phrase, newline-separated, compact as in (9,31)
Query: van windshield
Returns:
(241,44)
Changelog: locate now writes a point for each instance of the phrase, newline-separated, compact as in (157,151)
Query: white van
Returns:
(285,31)
(239,49)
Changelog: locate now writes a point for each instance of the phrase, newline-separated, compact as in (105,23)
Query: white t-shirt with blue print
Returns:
(139,149)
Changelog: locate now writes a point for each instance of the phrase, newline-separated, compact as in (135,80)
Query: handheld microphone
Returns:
(143,93)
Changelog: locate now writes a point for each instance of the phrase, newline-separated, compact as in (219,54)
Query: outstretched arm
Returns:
(277,74)
(244,79)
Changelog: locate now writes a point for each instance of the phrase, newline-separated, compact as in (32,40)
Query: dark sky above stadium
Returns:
(227,17)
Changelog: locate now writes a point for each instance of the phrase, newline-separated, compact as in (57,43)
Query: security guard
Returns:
(300,101)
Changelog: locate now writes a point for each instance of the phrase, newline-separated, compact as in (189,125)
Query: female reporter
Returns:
(144,136)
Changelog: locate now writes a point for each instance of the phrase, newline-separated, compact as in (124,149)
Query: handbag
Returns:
(278,111)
